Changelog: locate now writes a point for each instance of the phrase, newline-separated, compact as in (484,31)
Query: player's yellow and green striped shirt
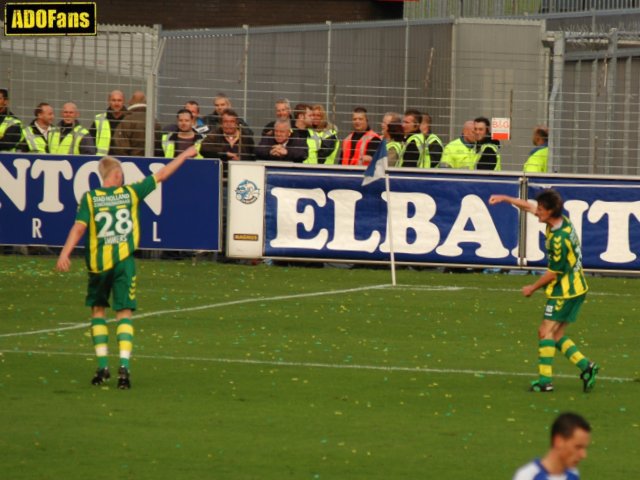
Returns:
(113,223)
(565,259)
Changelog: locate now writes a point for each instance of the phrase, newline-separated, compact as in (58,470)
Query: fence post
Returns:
(612,52)
(152,98)
(328,93)
(245,59)
(555,100)
(406,65)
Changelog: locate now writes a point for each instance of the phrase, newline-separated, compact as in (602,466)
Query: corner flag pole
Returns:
(392,254)
(377,169)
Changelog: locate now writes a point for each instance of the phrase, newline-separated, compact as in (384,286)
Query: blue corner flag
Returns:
(378,165)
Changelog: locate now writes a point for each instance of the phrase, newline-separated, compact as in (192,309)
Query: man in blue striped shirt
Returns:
(570,437)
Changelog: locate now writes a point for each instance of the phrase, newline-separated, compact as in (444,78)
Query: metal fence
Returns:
(508,8)
(453,70)
(79,69)
(583,85)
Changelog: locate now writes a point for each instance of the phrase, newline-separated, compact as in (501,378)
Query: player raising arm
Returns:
(110,214)
(565,286)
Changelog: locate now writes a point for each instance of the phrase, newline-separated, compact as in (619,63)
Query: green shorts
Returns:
(120,280)
(563,309)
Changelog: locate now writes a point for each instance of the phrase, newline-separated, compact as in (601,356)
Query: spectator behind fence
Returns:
(570,438)
(282,112)
(413,139)
(461,152)
(71,138)
(323,144)
(360,145)
(197,123)
(222,102)
(130,135)
(539,156)
(487,148)
(302,120)
(39,133)
(10,125)
(282,145)
(174,143)
(230,143)
(432,144)
(394,145)
(104,126)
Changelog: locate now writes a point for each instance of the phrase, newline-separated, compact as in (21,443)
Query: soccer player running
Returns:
(565,286)
(110,213)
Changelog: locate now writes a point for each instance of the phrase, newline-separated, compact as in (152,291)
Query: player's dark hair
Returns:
(360,110)
(567,423)
(552,201)
(5,93)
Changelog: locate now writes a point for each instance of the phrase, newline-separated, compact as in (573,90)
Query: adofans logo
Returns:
(50,18)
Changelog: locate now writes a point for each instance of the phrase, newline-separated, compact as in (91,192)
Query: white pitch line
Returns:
(448,288)
(445,288)
(205,307)
(335,366)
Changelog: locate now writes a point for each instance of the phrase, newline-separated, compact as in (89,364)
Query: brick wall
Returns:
(182,14)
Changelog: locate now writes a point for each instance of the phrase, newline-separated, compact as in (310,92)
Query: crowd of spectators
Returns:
(302,134)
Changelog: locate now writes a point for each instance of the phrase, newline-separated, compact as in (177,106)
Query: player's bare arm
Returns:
(75,235)
(516,202)
(544,280)
(170,168)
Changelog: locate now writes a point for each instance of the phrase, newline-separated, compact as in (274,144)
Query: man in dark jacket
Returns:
(282,146)
(222,102)
(487,148)
(131,133)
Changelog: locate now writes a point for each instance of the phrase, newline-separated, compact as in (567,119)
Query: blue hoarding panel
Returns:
(435,218)
(39,196)
(606,215)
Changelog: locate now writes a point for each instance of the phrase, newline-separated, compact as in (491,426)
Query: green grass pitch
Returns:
(256,372)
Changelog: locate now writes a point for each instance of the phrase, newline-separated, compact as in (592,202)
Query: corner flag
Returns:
(378,165)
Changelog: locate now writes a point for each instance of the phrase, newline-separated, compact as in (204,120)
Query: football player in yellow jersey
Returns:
(110,215)
(565,286)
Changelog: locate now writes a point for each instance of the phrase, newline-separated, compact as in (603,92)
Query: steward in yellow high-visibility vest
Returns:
(488,149)
(38,134)
(394,153)
(105,124)
(71,139)
(323,143)
(433,146)
(461,153)
(171,140)
(177,142)
(10,125)
(432,151)
(413,152)
(539,156)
